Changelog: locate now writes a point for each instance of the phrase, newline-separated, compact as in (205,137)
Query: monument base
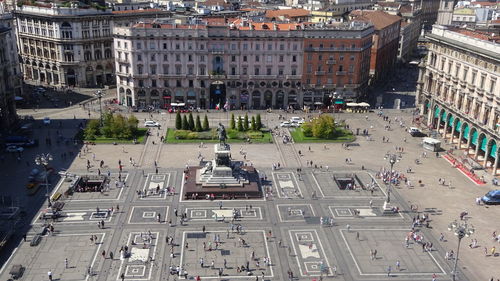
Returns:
(196,190)
(387,208)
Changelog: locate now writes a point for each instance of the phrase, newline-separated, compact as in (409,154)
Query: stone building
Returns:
(10,76)
(244,63)
(65,46)
(459,91)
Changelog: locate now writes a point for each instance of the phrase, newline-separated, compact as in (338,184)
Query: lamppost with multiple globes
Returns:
(461,230)
(43,160)
(393,158)
(99,96)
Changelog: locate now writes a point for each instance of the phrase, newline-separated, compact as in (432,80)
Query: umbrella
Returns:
(364,104)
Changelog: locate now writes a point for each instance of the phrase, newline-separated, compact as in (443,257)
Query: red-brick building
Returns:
(338,63)
(385,40)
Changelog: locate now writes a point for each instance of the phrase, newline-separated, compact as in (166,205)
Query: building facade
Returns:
(10,75)
(384,49)
(65,46)
(459,92)
(243,63)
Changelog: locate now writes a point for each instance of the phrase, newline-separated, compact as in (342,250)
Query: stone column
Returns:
(452,132)
(430,114)
(445,128)
(438,122)
(495,165)
(273,102)
(488,149)
(476,153)
(461,135)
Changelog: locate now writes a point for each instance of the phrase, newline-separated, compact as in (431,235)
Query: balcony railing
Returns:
(293,77)
(331,62)
(341,72)
(319,72)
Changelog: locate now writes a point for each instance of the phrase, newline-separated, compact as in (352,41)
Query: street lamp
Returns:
(99,96)
(393,158)
(461,230)
(43,160)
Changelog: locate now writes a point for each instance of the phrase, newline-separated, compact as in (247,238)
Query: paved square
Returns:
(389,244)
(207,252)
(286,185)
(295,212)
(227,213)
(156,186)
(346,184)
(309,252)
(148,215)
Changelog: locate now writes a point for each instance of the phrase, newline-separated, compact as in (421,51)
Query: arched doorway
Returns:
(71,77)
(268,99)
(217,94)
(256,100)
(155,98)
(244,99)
(191,98)
(280,98)
(292,100)
(129,98)
(89,76)
(121,95)
(99,77)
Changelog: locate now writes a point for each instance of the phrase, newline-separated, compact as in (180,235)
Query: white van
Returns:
(296,119)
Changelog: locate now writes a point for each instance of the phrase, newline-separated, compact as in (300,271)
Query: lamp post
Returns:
(461,230)
(43,160)
(393,158)
(99,96)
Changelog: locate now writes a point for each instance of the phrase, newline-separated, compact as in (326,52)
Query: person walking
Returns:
(389,269)
(50,275)
(66,263)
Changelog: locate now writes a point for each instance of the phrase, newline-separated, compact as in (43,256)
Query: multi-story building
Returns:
(248,64)
(445,12)
(65,46)
(459,91)
(10,79)
(384,49)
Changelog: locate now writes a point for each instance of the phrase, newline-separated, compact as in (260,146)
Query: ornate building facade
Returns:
(459,92)
(243,63)
(65,46)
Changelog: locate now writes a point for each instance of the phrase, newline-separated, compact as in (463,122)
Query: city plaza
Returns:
(310,227)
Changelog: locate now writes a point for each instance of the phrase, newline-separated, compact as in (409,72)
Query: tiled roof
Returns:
(170,26)
(287,13)
(266,25)
(479,35)
(379,19)
(483,3)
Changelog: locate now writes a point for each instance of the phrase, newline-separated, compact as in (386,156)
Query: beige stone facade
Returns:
(459,91)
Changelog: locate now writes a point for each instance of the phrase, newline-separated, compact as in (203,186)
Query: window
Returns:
(309,56)
(281,58)
(280,71)
(153,69)
(466,71)
(269,47)
(233,58)
(190,57)
(152,45)
(153,57)
(294,58)
(190,70)
(294,71)
(177,46)
(202,70)
(320,57)
(257,47)
(473,79)
(351,68)
(341,57)
(178,70)
(282,47)
(139,57)
(202,58)
(153,83)
(164,46)
(257,58)
(245,71)
(178,83)
(481,81)
(309,68)
(295,47)
(352,58)
(139,69)
(165,57)
(233,46)
(141,83)
(492,85)
(245,58)
(245,46)
(268,71)
(341,68)
(166,84)
(202,84)
(191,83)
(233,70)
(177,57)
(457,69)
(257,71)
(269,59)
(165,69)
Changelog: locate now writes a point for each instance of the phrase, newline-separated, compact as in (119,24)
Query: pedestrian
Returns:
(111,255)
(389,269)
(66,263)
(24,237)
(398,265)
(203,229)
(50,275)
(103,254)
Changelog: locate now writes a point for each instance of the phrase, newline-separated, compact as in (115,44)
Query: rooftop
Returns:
(379,19)
(287,13)
(138,11)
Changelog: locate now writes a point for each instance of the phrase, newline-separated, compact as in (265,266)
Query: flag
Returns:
(226,105)
(217,106)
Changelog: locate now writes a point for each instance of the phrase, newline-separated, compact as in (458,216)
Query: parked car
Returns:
(14,148)
(492,197)
(46,121)
(415,132)
(19,141)
(151,124)
(285,124)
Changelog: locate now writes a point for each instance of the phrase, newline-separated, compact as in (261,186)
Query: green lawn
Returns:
(140,136)
(298,136)
(212,138)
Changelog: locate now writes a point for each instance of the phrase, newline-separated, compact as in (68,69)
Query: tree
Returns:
(323,127)
(258,122)
(253,126)
(197,125)
(245,122)
(185,123)
(206,126)
(232,123)
(191,121)
(132,124)
(92,130)
(240,124)
(178,121)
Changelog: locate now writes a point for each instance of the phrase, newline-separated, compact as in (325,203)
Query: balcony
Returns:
(331,62)
(319,73)
(120,60)
(233,76)
(142,75)
(217,76)
(341,72)
(262,76)
(293,77)
(329,86)
(216,51)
